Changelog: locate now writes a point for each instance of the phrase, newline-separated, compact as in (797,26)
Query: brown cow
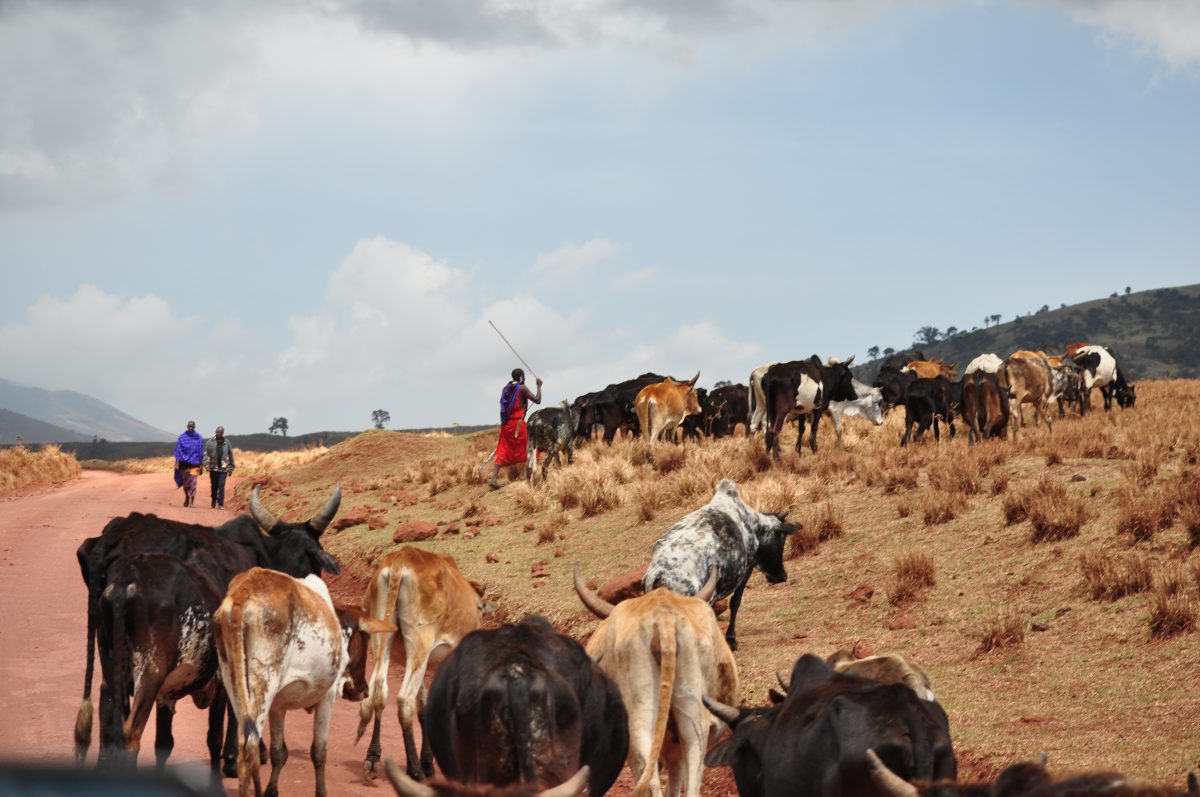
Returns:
(930,369)
(985,406)
(434,606)
(662,407)
(1073,348)
(1029,382)
(889,668)
(666,652)
(281,645)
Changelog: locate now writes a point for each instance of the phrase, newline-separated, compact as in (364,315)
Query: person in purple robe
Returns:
(189,457)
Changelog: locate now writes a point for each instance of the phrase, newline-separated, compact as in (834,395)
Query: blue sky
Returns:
(237,211)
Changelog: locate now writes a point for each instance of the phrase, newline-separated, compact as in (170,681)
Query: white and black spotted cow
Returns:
(1100,369)
(803,389)
(725,534)
(551,431)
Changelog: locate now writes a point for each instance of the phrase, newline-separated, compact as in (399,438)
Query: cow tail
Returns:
(750,417)
(664,630)
(83,720)
(239,692)
(521,719)
(386,584)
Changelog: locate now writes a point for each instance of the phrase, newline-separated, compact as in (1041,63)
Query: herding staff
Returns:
(519,357)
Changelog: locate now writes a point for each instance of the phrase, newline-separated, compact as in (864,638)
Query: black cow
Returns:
(985,407)
(725,534)
(895,362)
(156,647)
(522,704)
(891,381)
(815,743)
(926,402)
(803,388)
(1027,779)
(613,407)
(552,430)
(220,553)
(729,406)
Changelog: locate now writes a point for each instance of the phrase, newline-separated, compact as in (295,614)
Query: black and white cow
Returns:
(726,534)
(869,405)
(552,430)
(1100,369)
(803,388)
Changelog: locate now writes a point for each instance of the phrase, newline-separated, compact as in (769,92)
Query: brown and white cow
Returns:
(930,369)
(1029,382)
(434,606)
(666,653)
(662,407)
(281,645)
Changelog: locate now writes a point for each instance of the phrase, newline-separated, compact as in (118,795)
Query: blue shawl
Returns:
(190,448)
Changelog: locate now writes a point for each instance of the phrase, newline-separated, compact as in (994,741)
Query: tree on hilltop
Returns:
(279,425)
(380,417)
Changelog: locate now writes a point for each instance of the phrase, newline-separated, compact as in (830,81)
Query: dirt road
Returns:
(43,626)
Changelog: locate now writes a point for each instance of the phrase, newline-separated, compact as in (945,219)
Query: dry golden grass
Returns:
(912,573)
(22,468)
(1171,611)
(939,508)
(1111,577)
(528,498)
(1004,627)
(1142,512)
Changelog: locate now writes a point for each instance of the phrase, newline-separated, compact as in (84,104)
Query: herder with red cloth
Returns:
(513,436)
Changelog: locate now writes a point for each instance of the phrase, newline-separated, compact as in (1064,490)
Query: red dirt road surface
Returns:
(43,629)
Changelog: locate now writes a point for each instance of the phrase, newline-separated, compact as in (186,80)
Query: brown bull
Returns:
(662,407)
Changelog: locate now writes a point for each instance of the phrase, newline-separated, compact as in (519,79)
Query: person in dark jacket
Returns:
(218,461)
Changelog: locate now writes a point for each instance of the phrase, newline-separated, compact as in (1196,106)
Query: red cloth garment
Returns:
(513,436)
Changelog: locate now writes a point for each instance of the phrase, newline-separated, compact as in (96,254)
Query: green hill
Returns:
(1155,334)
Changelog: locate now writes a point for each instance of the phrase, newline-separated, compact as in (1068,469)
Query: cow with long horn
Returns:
(665,651)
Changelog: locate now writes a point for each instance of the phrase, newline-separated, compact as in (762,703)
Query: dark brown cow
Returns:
(985,406)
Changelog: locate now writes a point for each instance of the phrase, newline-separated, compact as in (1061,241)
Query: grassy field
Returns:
(1050,586)
(23,469)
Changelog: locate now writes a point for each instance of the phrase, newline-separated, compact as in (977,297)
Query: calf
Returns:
(558,711)
(282,646)
(662,407)
(153,629)
(1029,382)
(926,402)
(1023,780)
(552,430)
(725,534)
(434,606)
(803,388)
(869,405)
(815,743)
(985,407)
(666,653)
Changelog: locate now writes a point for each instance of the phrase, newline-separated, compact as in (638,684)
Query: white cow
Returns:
(281,645)
(869,405)
(758,399)
(988,363)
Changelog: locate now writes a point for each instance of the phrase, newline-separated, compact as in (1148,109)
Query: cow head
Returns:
(837,380)
(771,538)
(314,526)
(357,627)
(1126,396)
(438,787)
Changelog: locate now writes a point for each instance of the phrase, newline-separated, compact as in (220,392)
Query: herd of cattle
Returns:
(989,396)
(238,618)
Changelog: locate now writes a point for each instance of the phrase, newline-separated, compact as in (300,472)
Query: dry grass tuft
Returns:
(22,468)
(940,508)
(1110,578)
(474,507)
(1142,512)
(1053,513)
(802,541)
(773,494)
(1172,610)
(959,473)
(1003,628)
(669,458)
(645,500)
(527,498)
(599,496)
(554,523)
(829,522)
(913,574)
(901,478)
(999,484)
(1053,458)
(903,509)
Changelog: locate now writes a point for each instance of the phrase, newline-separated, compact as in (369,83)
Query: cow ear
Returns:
(327,562)
(724,753)
(775,697)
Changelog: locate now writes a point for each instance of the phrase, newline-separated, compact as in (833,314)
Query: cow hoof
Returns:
(732,643)
(371,770)
(229,768)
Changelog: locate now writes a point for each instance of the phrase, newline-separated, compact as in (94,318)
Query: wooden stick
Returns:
(514,351)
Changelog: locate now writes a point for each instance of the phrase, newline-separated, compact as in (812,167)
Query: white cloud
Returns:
(569,260)
(1168,30)
(635,278)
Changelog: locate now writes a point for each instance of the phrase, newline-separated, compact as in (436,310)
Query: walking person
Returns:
(514,399)
(189,462)
(218,461)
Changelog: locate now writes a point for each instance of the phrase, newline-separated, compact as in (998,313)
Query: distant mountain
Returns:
(77,413)
(1155,334)
(31,430)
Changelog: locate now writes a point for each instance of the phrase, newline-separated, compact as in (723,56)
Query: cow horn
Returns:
(260,513)
(694,379)
(849,359)
(595,604)
(710,587)
(570,787)
(403,784)
(782,682)
(321,519)
(727,714)
(887,781)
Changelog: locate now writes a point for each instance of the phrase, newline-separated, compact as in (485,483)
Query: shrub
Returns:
(1110,578)
(1171,613)
(1141,513)
(999,484)
(1003,628)
(668,457)
(803,540)
(527,498)
(599,496)
(554,523)
(913,574)
(645,499)
(940,508)
(829,522)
